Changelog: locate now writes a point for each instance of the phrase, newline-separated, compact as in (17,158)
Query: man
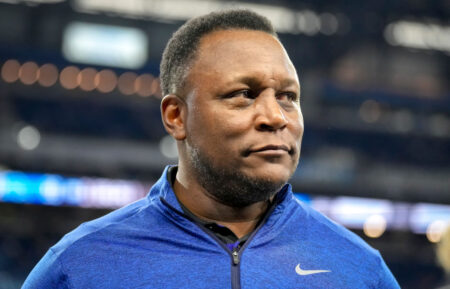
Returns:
(224,217)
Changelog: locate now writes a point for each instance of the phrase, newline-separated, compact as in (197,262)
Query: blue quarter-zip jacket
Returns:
(152,244)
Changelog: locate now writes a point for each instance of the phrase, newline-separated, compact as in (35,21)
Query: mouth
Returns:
(270,149)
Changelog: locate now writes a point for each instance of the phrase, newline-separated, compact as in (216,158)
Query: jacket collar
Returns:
(162,189)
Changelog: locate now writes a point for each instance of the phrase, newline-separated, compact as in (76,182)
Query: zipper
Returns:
(236,253)
(235,270)
(235,259)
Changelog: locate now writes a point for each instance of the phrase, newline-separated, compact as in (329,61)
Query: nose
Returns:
(270,116)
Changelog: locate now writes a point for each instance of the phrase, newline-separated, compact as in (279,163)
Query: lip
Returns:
(271,149)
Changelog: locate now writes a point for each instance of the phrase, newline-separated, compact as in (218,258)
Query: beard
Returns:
(229,186)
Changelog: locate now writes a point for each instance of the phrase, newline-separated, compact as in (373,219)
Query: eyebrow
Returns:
(253,81)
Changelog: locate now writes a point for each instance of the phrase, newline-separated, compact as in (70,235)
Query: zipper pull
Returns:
(235,255)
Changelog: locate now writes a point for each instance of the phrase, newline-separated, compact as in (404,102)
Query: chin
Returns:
(274,174)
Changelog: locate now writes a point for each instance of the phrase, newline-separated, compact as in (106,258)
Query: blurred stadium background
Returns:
(80,129)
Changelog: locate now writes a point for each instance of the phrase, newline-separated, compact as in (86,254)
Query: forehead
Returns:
(226,39)
(242,53)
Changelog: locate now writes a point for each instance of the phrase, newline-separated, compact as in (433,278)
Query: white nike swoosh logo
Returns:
(302,272)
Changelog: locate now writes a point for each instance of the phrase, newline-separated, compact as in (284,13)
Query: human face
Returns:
(242,99)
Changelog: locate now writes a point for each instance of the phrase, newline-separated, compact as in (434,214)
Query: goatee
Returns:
(228,186)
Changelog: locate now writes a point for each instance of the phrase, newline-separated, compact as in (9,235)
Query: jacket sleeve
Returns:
(48,274)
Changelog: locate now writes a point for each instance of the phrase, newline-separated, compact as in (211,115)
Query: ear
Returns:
(173,113)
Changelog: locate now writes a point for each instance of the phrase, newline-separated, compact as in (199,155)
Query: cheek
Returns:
(230,123)
(216,131)
(296,130)
(297,125)
(300,128)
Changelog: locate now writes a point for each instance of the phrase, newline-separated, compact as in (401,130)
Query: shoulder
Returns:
(321,230)
(326,239)
(84,246)
(319,221)
(115,222)
(86,240)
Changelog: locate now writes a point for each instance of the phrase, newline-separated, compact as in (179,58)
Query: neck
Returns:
(240,220)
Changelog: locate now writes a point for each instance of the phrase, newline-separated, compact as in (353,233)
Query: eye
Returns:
(287,96)
(246,93)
